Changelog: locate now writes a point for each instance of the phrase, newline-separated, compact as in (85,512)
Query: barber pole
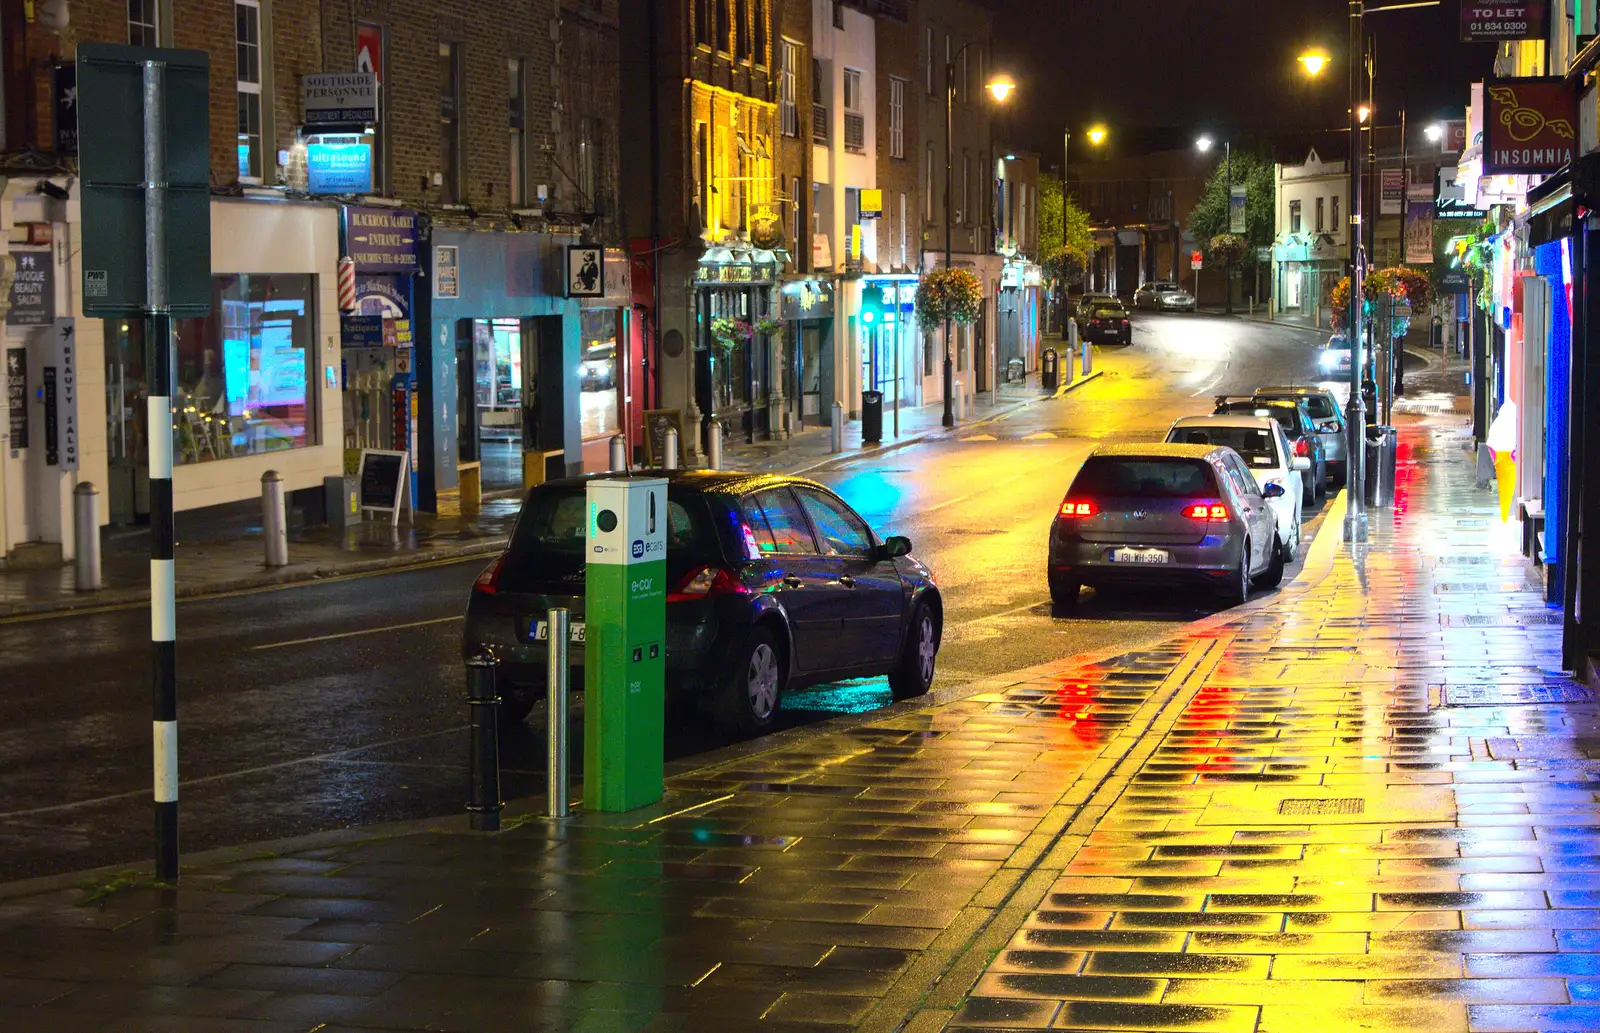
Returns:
(347,285)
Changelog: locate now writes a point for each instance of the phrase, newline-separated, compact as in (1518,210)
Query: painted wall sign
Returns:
(381,240)
(1528,126)
(33,291)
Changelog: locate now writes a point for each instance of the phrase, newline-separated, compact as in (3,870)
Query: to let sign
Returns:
(1488,21)
(1528,126)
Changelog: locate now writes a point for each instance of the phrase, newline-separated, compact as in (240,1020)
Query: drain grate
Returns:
(1515,695)
(975,530)
(1505,620)
(1340,805)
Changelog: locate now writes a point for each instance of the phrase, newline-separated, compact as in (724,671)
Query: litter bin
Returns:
(1014,371)
(1050,369)
(871,417)
(1380,467)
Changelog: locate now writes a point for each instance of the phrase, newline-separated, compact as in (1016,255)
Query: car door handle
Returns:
(847,581)
(792,582)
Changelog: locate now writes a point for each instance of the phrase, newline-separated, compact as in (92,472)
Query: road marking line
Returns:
(353,634)
(979,437)
(1043,435)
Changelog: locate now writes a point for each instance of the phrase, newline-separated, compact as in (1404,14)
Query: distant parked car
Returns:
(1297,427)
(1107,323)
(1323,408)
(1160,514)
(1163,296)
(773,583)
(1261,444)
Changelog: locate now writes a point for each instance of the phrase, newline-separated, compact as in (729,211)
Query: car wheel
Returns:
(1308,491)
(1064,592)
(1291,548)
(1272,577)
(1238,590)
(753,686)
(515,705)
(1322,482)
(914,675)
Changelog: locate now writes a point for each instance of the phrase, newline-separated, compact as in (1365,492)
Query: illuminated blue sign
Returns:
(338,168)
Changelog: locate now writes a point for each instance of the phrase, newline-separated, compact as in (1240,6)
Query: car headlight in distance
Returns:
(1328,359)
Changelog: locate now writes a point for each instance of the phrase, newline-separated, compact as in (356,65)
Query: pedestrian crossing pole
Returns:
(163,602)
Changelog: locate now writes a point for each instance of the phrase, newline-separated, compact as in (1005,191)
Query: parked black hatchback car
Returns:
(774,583)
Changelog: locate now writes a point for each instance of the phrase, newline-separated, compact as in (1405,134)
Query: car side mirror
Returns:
(894,545)
(1302,464)
(1273,491)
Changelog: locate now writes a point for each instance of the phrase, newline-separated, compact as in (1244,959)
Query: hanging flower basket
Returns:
(767,326)
(726,332)
(948,295)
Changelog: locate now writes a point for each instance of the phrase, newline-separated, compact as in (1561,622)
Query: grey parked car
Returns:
(1323,408)
(1166,514)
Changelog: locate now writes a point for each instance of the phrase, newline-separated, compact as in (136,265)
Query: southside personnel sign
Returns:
(1528,126)
(1494,21)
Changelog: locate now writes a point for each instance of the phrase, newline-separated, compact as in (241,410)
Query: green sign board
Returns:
(624,668)
(111,118)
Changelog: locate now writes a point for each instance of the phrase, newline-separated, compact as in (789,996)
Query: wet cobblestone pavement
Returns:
(1365,803)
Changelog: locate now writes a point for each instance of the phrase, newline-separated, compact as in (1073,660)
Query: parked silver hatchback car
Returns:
(1323,408)
(1158,514)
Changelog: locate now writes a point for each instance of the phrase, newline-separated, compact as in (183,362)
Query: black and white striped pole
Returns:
(163,603)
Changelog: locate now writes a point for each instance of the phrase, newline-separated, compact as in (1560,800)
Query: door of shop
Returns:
(128,493)
(544,407)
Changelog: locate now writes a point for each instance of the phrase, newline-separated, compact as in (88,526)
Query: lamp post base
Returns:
(949,392)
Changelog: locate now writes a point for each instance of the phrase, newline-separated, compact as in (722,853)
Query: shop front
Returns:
(806,306)
(1021,285)
(890,341)
(735,319)
(499,369)
(608,373)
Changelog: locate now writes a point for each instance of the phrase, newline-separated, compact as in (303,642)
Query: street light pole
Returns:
(949,160)
(1227,274)
(1355,520)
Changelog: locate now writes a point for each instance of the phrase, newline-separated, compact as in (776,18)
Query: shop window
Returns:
(247,50)
(497,378)
(245,372)
(599,382)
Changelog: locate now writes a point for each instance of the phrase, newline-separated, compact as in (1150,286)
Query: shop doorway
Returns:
(811,372)
(128,493)
(489,364)
(544,408)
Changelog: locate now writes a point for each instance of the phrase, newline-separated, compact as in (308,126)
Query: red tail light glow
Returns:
(1075,508)
(1302,447)
(705,582)
(1206,511)
(488,582)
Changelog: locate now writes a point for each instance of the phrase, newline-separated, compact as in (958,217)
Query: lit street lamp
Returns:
(1204,145)
(1097,136)
(1000,87)
(1434,133)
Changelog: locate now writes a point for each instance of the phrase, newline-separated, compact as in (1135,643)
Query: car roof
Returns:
(1298,392)
(1157,450)
(708,482)
(1227,420)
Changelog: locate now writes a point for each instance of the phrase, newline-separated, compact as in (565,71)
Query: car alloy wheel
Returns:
(913,675)
(927,648)
(761,681)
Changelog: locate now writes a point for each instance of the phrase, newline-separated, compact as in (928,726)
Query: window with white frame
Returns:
(852,89)
(516,97)
(247,49)
(788,78)
(904,236)
(897,118)
(927,184)
(144,23)
(855,122)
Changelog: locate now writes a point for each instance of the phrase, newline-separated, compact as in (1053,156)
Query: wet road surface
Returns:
(340,702)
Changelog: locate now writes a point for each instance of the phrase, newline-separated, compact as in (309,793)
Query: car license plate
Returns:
(1140,556)
(575,631)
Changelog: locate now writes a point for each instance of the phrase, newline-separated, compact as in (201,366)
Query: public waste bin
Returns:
(1380,467)
(871,417)
(1050,369)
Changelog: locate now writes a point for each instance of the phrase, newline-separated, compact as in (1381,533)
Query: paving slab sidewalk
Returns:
(1332,806)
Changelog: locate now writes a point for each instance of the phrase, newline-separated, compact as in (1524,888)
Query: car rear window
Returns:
(1321,407)
(1106,477)
(1288,415)
(549,542)
(1255,444)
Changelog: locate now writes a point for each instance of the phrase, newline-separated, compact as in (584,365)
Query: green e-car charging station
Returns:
(624,671)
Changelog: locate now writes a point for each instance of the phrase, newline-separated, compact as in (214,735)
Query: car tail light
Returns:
(1124,322)
(1207,511)
(705,582)
(1078,509)
(1302,447)
(488,582)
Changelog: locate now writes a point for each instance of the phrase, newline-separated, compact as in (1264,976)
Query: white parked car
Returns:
(1260,441)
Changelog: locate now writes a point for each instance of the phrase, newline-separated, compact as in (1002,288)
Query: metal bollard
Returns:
(619,454)
(274,527)
(559,789)
(86,536)
(483,786)
(669,461)
(836,441)
(714,445)
(1088,359)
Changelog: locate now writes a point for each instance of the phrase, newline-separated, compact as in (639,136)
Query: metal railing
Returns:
(819,123)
